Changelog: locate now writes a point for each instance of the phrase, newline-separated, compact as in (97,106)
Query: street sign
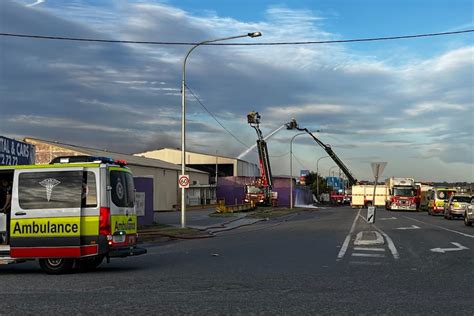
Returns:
(371,214)
(377,168)
(183,181)
(14,152)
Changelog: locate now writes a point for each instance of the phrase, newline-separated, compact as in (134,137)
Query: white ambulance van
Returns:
(75,211)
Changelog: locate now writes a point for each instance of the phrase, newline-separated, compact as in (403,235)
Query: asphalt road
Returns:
(304,264)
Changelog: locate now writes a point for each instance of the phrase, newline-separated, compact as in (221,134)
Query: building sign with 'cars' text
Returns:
(13,152)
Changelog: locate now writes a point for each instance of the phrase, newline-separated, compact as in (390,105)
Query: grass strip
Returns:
(273,212)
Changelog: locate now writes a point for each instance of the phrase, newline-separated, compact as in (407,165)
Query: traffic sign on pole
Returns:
(183,181)
(377,168)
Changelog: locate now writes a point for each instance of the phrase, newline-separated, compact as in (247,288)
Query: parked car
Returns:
(469,213)
(456,205)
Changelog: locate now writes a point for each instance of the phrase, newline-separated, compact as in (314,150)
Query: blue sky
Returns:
(407,102)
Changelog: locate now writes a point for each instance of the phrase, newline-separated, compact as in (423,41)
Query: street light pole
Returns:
(291,169)
(183,115)
(317,176)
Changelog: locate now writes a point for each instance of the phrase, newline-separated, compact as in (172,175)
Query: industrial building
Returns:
(213,164)
(166,193)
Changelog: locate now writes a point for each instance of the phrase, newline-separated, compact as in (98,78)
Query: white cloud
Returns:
(35,3)
(132,92)
(308,109)
(62,123)
(398,130)
(425,107)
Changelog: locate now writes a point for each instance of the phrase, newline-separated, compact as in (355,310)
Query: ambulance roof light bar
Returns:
(82,159)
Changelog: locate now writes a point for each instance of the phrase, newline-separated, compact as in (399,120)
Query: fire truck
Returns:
(401,194)
(260,191)
(363,195)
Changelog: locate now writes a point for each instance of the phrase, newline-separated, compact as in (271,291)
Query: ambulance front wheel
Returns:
(57,265)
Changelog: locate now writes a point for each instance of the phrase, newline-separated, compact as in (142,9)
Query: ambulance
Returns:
(437,197)
(74,212)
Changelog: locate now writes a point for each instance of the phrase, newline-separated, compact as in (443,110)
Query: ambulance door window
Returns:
(50,190)
(123,189)
(89,190)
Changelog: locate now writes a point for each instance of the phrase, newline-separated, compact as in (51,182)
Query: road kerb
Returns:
(369,238)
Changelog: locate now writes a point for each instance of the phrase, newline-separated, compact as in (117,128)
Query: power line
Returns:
(215,118)
(299,162)
(369,39)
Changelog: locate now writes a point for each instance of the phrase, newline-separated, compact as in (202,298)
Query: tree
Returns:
(311,179)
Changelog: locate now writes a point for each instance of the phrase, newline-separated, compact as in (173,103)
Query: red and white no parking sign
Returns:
(183,181)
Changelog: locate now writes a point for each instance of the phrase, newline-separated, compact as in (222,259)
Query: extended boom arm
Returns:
(333,155)
(253,119)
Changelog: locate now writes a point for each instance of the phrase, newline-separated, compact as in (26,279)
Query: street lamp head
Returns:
(254,34)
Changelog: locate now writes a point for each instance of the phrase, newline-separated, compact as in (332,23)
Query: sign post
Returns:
(183,182)
(377,169)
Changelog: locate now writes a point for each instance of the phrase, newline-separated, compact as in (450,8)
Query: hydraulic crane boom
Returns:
(333,155)
(253,119)
(260,191)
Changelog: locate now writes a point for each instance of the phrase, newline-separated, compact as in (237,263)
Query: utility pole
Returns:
(216,167)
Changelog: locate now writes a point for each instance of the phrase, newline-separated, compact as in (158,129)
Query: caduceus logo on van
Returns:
(49,184)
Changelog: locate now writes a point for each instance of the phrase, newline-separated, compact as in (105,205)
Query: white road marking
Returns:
(366,263)
(408,228)
(368,249)
(391,245)
(447,229)
(343,250)
(372,255)
(443,250)
(386,218)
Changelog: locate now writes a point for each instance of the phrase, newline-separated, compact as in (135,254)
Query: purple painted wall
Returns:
(232,189)
(282,186)
(143,184)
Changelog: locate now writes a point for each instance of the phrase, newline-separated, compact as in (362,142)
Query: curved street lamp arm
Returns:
(183,115)
(253,34)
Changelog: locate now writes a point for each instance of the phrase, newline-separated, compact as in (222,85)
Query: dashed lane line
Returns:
(366,263)
(371,255)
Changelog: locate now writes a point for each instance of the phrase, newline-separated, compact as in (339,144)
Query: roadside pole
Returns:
(377,169)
